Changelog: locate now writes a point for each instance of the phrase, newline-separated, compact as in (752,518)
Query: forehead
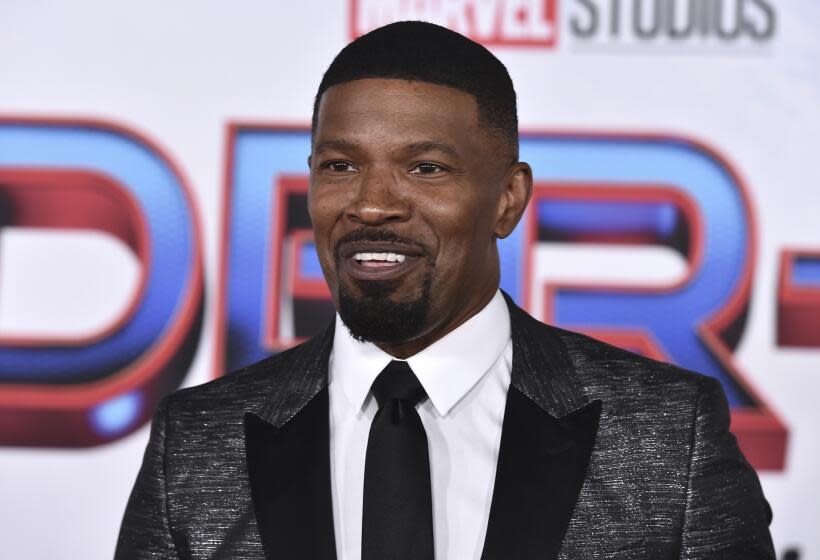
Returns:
(393,111)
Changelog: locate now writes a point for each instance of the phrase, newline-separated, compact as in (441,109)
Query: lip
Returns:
(384,270)
(387,271)
(347,250)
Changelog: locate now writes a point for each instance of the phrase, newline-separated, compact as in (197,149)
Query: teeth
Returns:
(389,257)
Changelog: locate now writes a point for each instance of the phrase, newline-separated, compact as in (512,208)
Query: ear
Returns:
(516,193)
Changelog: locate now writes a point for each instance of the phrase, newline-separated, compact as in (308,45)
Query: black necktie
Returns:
(397,519)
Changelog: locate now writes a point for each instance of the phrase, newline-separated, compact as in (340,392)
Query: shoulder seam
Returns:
(692,436)
(165,405)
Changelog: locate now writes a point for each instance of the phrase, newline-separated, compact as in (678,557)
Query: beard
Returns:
(373,316)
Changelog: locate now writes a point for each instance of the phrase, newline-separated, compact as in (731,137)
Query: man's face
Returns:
(407,197)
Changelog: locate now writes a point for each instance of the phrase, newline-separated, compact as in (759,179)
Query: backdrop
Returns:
(155,235)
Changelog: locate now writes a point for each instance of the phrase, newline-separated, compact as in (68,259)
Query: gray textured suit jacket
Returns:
(604,454)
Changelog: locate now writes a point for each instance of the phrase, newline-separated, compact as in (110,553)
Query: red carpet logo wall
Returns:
(528,23)
(605,188)
(612,189)
(640,24)
(94,175)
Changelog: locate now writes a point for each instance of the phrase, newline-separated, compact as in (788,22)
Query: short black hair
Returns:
(424,52)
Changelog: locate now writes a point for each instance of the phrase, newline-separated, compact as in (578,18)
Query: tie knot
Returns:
(397,382)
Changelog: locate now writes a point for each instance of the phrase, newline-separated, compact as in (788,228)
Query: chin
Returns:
(371,314)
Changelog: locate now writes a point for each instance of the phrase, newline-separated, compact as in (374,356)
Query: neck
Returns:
(406,349)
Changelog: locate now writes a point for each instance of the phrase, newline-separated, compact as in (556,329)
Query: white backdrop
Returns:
(179,71)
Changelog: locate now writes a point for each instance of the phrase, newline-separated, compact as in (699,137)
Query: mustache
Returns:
(375,235)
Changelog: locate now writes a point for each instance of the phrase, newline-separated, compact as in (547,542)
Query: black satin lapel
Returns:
(542,463)
(289,470)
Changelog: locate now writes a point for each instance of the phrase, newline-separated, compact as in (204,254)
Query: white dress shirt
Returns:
(466,375)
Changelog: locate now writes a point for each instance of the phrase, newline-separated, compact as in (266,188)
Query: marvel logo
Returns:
(490,22)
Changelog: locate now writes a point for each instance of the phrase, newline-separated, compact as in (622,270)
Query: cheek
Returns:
(323,215)
(325,205)
(465,234)
(459,235)
(318,209)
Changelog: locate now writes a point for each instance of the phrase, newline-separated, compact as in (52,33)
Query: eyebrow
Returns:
(340,145)
(413,148)
(430,146)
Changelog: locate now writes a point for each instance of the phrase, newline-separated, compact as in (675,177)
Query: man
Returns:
(435,418)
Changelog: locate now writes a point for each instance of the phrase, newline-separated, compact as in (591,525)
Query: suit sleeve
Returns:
(726,514)
(145,532)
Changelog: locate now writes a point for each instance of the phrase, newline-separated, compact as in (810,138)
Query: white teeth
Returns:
(389,257)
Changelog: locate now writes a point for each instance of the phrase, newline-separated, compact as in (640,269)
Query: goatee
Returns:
(374,317)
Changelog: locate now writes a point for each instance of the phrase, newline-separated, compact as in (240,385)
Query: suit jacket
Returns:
(604,454)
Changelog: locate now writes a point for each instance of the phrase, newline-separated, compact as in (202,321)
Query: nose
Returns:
(378,201)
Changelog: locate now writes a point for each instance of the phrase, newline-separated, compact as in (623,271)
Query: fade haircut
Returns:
(424,52)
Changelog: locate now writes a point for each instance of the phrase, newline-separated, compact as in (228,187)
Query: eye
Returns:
(427,168)
(339,166)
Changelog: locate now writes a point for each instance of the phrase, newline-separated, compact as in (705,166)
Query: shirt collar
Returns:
(447,369)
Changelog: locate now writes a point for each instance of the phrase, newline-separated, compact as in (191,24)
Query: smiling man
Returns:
(434,418)
(408,195)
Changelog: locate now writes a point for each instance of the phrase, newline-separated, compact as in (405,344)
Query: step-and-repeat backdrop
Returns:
(154,233)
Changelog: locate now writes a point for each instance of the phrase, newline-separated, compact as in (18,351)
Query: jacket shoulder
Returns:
(631,383)
(590,355)
(247,388)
